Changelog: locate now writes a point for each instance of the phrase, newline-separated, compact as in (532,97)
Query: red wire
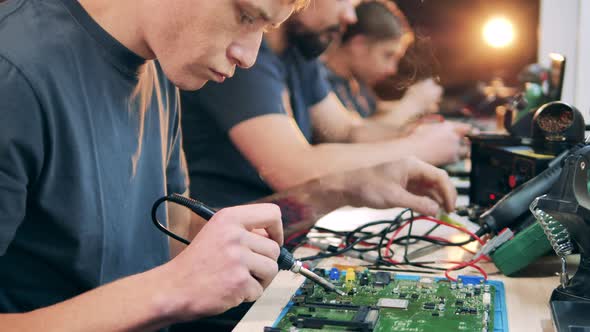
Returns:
(462,229)
(441,239)
(465,230)
(436,221)
(388,251)
(465,264)
(440,222)
(391,260)
(456,267)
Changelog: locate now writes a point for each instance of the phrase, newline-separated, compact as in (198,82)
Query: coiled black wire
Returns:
(361,235)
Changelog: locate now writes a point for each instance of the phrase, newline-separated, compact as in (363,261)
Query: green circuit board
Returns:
(381,302)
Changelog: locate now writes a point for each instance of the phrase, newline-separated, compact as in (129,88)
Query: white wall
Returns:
(583,69)
(565,28)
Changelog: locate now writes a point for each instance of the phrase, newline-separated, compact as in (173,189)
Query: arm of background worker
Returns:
(226,264)
(408,183)
(397,113)
(421,98)
(275,146)
(332,123)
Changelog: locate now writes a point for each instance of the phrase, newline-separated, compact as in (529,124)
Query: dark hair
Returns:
(379,20)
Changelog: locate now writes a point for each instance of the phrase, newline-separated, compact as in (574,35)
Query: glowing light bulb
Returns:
(498,32)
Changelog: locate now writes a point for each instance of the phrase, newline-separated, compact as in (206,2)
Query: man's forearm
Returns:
(137,303)
(370,131)
(398,113)
(321,160)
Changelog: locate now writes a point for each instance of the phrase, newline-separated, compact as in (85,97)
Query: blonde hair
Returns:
(141,99)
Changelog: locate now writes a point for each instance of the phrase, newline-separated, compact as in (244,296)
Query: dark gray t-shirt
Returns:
(220,175)
(73,213)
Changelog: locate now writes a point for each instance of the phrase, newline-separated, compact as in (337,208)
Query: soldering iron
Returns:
(286,261)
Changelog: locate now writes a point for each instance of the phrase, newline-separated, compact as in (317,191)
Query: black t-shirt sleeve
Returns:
(249,93)
(21,148)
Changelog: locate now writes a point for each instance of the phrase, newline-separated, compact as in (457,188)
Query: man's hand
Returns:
(408,182)
(228,262)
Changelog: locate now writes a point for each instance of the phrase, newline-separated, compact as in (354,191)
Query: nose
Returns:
(348,14)
(243,53)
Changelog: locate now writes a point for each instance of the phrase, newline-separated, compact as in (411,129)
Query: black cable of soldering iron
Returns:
(196,206)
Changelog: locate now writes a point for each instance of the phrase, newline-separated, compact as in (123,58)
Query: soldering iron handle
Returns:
(510,207)
(197,207)
(286,260)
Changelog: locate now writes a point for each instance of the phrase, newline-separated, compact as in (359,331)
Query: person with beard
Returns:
(369,52)
(277,125)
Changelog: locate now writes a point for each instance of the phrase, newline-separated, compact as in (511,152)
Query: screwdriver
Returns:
(286,261)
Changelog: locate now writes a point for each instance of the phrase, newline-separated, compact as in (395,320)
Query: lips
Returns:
(217,76)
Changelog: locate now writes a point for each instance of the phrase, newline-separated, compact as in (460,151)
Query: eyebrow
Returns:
(260,12)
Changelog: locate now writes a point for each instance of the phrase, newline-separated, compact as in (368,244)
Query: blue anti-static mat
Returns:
(500,313)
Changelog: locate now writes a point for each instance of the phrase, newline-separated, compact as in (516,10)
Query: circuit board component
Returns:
(393,303)
(383,302)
